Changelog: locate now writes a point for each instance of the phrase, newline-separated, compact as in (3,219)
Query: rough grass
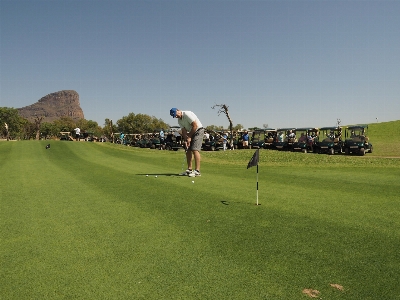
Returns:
(83,221)
(385,138)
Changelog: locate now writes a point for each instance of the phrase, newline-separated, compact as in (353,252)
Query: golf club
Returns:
(184,158)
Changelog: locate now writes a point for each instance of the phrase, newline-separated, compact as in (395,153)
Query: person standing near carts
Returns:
(192,134)
(224,140)
(162,139)
(77,133)
(245,140)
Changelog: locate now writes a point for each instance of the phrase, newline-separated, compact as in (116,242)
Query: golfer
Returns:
(192,133)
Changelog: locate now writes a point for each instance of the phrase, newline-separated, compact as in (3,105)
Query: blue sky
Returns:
(282,63)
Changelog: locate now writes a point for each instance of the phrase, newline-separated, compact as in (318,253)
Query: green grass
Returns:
(385,138)
(83,221)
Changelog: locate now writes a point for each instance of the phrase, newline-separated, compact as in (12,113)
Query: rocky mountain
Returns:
(54,106)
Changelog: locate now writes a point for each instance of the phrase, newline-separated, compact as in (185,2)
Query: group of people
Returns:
(223,136)
(281,138)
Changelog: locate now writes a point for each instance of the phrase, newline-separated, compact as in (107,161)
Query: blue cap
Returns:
(172,112)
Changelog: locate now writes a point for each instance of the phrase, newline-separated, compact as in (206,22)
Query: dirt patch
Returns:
(337,286)
(311,293)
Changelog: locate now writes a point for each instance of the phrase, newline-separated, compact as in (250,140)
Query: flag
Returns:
(254,160)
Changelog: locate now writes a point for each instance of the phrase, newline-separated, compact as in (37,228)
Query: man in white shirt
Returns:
(192,133)
(77,133)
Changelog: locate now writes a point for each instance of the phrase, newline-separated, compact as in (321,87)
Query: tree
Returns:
(159,124)
(6,131)
(65,124)
(27,131)
(223,108)
(48,130)
(89,126)
(109,129)
(38,120)
(126,123)
(214,128)
(14,122)
(238,127)
(140,123)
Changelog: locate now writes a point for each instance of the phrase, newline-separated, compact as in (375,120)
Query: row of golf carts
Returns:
(328,140)
(171,141)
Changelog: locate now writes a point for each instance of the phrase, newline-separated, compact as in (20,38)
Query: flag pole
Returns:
(254,162)
(257,184)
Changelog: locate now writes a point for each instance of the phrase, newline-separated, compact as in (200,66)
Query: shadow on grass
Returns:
(161,174)
(226,202)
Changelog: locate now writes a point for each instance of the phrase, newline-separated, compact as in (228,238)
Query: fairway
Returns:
(92,221)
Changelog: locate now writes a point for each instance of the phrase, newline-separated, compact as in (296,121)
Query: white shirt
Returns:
(188,118)
(77,131)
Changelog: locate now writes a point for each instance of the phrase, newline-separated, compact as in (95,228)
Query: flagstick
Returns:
(257,184)
(254,162)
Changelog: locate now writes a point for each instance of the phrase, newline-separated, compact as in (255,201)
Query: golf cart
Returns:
(285,139)
(238,143)
(120,139)
(151,137)
(307,137)
(357,140)
(237,139)
(88,136)
(66,136)
(173,139)
(331,140)
(155,141)
(214,142)
(145,141)
(131,139)
(260,138)
(257,139)
(270,137)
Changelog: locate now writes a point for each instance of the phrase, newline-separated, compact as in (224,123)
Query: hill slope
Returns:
(385,138)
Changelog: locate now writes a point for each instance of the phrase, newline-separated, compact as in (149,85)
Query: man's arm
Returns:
(194,129)
(188,135)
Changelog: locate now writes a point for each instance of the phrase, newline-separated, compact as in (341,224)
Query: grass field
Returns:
(83,221)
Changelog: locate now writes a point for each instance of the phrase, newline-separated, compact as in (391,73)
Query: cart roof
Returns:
(330,128)
(286,129)
(357,126)
(264,130)
(306,128)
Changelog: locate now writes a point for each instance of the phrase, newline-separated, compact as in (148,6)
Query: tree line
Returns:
(15,127)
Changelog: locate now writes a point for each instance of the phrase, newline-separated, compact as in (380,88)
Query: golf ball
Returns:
(156,176)
(192,181)
(147,175)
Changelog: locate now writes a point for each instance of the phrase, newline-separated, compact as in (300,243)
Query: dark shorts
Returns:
(197,140)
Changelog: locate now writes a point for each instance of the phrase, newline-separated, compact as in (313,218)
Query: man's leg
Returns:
(197,159)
